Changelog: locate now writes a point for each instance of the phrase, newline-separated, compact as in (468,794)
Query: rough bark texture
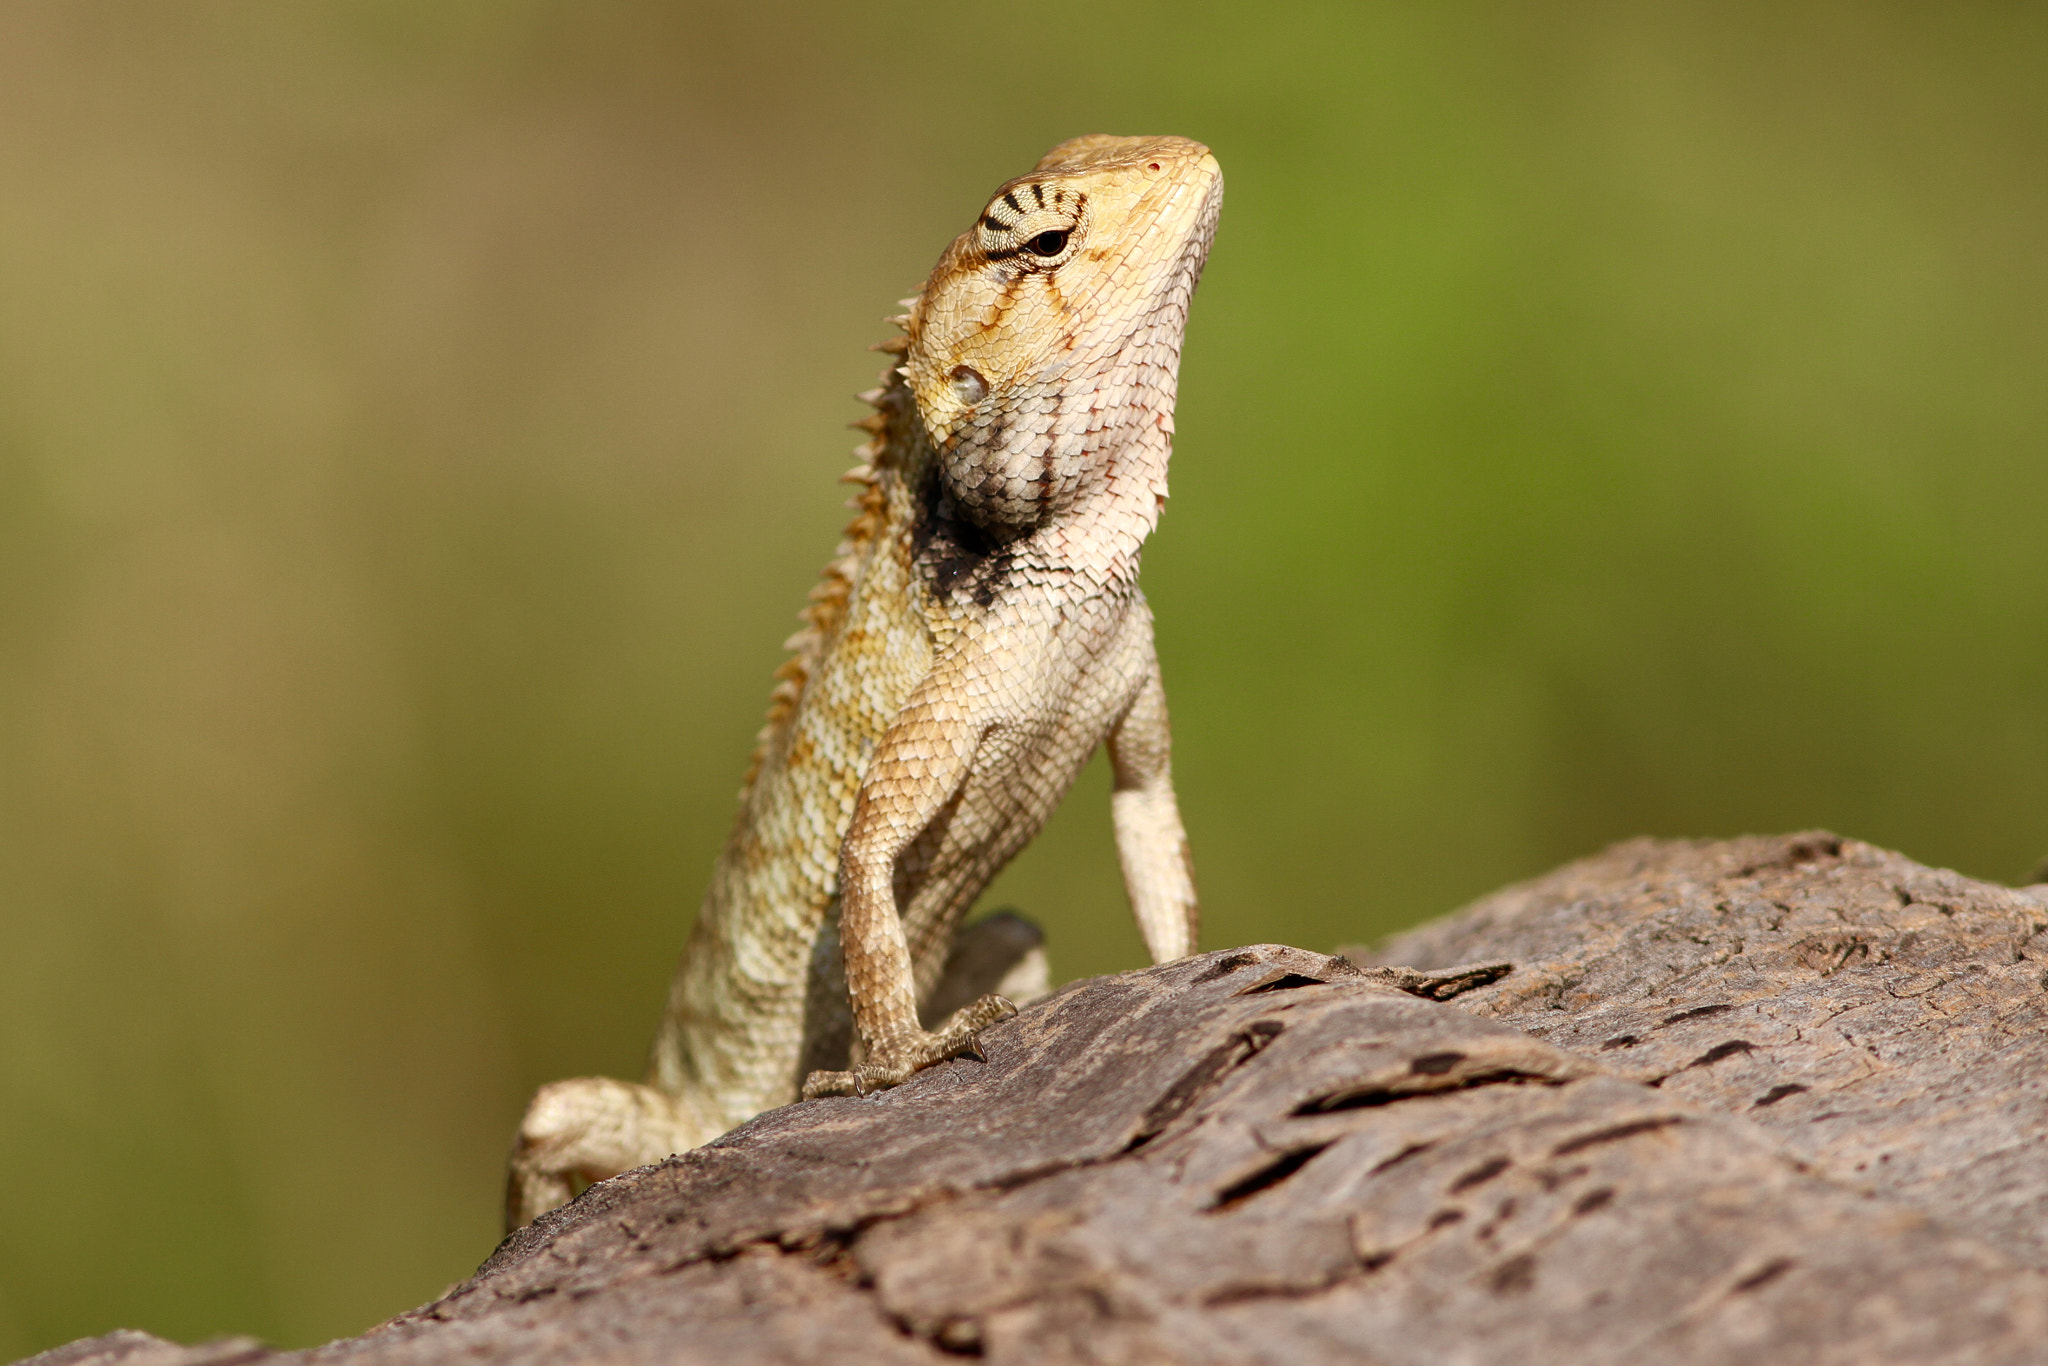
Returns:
(1886,1023)
(1759,1101)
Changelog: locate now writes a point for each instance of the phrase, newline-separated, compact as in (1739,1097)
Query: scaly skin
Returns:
(979,634)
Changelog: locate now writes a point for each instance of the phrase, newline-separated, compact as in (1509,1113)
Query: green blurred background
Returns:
(419,423)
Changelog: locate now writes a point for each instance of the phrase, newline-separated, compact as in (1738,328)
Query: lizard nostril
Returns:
(968,383)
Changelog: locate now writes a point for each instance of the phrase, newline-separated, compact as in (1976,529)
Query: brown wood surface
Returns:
(1767,1100)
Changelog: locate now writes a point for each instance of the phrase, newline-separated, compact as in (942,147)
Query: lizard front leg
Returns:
(916,774)
(1150,843)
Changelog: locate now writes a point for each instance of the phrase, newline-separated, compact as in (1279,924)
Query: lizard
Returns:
(979,634)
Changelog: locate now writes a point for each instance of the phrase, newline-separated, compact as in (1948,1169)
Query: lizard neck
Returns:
(1062,510)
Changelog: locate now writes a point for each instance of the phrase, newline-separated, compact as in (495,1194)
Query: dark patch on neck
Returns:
(957,557)
(1043,479)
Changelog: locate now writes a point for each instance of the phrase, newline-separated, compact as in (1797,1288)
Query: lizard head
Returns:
(1045,346)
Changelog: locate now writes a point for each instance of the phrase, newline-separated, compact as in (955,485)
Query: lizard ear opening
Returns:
(968,383)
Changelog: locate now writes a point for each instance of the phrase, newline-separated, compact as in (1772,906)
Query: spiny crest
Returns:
(834,590)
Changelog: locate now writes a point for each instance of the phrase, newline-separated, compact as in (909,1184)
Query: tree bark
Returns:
(1767,1100)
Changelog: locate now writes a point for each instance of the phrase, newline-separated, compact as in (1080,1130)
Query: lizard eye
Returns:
(1048,243)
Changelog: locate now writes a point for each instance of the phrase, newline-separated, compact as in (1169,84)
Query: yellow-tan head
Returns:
(1045,347)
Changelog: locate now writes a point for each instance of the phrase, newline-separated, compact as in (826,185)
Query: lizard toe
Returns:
(820,1084)
(974,1017)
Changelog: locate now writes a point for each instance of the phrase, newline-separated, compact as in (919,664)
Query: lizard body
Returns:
(979,634)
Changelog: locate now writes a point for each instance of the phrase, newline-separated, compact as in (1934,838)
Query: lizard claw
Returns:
(908,1054)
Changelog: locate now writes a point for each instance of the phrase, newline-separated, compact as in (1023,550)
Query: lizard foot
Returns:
(903,1056)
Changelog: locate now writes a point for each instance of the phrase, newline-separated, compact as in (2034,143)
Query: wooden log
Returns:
(1771,1100)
